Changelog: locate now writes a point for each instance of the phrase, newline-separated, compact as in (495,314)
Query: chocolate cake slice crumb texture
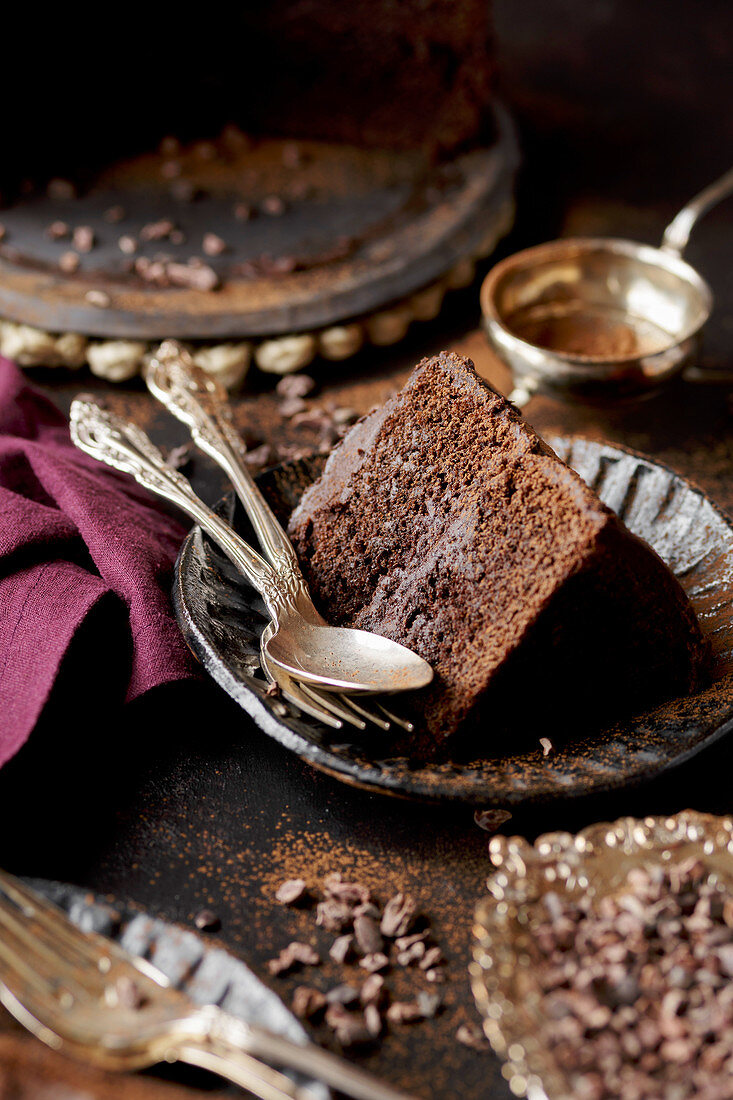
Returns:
(443,521)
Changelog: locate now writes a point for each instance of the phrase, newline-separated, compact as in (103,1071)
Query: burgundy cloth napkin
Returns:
(80,547)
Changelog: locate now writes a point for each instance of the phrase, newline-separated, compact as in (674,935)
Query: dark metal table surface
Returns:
(178,802)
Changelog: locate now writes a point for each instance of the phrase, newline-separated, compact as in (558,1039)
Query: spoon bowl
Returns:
(344,659)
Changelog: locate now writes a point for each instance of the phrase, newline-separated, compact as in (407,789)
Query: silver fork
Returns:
(336,658)
(84,995)
(202,404)
(331,708)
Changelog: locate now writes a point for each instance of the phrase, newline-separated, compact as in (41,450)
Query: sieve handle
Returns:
(677,234)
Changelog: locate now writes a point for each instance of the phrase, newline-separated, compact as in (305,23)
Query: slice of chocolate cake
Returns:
(443,521)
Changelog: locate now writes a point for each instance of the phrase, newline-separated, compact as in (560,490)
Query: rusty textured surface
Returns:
(207,811)
(197,807)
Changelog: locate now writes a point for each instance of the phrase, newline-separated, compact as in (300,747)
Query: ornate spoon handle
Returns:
(202,404)
(122,445)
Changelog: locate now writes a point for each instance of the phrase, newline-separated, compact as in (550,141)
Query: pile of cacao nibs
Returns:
(374,943)
(637,987)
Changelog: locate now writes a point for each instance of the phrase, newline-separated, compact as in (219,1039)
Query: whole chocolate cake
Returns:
(443,521)
(401,74)
(395,73)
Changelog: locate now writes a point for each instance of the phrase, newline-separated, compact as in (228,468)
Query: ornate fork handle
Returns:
(202,404)
(125,447)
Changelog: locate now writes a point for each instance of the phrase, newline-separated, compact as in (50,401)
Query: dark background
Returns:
(628,99)
(178,801)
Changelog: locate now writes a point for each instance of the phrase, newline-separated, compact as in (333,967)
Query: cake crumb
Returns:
(471,1035)
(491,820)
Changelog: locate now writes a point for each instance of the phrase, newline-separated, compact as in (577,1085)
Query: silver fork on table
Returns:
(202,404)
(85,996)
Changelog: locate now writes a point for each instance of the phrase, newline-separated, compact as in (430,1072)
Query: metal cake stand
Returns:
(351,234)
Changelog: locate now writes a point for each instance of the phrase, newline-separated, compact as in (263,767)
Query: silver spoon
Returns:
(329,707)
(202,403)
(600,318)
(332,658)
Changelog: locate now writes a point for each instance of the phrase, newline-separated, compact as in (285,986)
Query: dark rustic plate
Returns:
(222,619)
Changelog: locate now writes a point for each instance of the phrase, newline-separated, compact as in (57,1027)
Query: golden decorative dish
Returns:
(596,861)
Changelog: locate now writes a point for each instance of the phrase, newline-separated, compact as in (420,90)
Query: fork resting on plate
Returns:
(202,404)
(317,667)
